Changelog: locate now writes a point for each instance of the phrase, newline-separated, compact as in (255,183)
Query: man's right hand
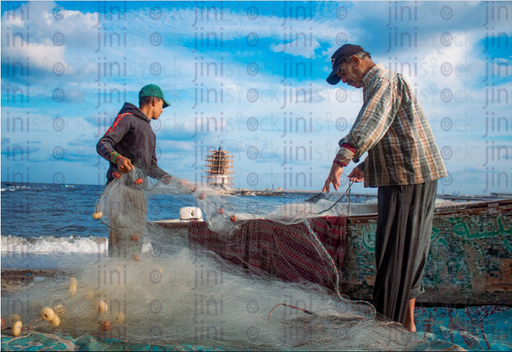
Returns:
(356,175)
(124,165)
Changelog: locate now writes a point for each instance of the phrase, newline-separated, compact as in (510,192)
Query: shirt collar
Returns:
(369,75)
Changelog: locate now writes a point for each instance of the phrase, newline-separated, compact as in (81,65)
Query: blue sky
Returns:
(250,77)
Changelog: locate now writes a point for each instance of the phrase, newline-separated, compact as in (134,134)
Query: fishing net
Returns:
(250,276)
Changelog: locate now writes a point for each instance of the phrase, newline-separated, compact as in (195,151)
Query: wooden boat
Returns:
(470,259)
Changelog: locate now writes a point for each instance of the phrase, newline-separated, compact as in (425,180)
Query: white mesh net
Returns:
(262,280)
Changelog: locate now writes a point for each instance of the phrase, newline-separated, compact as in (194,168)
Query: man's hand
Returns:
(186,185)
(124,165)
(334,178)
(356,175)
(166,180)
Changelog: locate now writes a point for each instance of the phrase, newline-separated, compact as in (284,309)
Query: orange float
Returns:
(104,325)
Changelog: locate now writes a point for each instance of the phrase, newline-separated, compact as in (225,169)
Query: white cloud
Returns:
(295,48)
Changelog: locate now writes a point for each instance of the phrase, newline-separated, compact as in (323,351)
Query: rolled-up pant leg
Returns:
(128,224)
(404,227)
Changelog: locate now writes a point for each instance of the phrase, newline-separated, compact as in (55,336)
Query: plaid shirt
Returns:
(394,130)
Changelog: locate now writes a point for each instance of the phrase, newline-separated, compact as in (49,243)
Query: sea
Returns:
(36,216)
(44,225)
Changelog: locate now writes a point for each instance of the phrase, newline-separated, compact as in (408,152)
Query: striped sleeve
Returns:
(116,132)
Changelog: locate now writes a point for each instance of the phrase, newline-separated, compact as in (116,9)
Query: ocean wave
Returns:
(13,245)
(55,245)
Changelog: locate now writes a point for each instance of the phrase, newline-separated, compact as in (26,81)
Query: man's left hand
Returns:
(334,178)
(186,185)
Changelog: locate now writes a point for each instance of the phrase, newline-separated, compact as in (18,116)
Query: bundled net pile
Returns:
(251,276)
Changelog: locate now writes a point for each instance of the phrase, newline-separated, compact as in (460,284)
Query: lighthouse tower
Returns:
(219,164)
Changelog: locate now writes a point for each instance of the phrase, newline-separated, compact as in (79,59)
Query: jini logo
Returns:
(110,95)
(110,13)
(497,13)
(112,39)
(19,68)
(17,39)
(402,13)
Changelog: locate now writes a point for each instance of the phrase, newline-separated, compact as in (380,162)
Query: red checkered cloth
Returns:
(288,252)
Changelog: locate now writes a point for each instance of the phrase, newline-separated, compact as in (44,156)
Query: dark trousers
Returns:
(402,243)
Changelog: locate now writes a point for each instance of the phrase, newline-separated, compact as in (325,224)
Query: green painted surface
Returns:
(468,259)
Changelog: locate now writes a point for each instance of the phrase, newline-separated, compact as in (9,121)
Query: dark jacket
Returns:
(132,137)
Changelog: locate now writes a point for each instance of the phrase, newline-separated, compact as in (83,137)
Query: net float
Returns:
(202,196)
(59,309)
(232,218)
(3,323)
(97,215)
(102,307)
(116,174)
(104,325)
(47,314)
(135,237)
(12,318)
(16,328)
(72,280)
(220,211)
(55,321)
(72,289)
(119,317)
(138,181)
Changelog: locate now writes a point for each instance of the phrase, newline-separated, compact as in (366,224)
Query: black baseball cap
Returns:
(339,57)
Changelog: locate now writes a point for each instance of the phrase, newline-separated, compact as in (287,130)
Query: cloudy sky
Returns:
(250,77)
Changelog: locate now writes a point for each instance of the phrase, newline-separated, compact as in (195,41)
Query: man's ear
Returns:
(356,59)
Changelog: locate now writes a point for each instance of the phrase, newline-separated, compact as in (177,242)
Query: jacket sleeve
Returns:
(116,132)
(155,171)
(374,118)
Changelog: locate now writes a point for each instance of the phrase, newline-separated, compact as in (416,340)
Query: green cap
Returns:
(152,90)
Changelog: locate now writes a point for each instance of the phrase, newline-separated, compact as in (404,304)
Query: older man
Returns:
(404,163)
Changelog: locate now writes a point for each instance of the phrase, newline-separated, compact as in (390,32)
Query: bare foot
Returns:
(409,318)
(410,326)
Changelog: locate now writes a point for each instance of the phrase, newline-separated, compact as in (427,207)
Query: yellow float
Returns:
(16,328)
(47,314)
(55,321)
(97,215)
(13,318)
(119,317)
(59,309)
(72,289)
(102,307)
